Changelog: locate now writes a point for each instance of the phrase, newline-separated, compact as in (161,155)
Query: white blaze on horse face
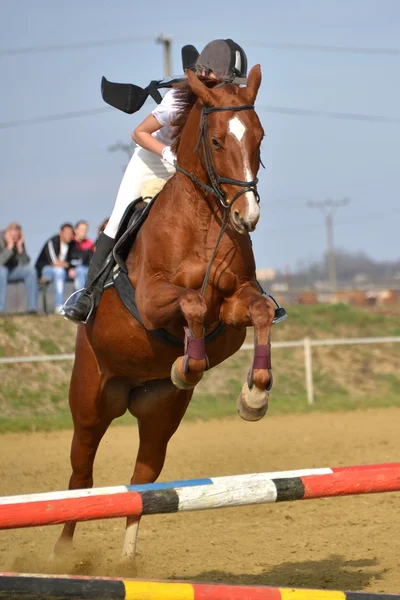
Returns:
(238,129)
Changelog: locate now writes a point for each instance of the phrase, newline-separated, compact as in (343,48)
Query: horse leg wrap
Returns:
(194,348)
(261,360)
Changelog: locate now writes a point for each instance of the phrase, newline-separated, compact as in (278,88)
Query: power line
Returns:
(308,112)
(58,117)
(333,49)
(297,112)
(324,48)
(75,46)
(369,217)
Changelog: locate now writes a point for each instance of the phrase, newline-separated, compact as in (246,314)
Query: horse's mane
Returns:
(184,100)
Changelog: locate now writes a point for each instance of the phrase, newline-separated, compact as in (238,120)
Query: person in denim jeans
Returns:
(81,255)
(14,266)
(54,262)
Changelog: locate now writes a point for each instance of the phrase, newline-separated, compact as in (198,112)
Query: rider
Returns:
(153,158)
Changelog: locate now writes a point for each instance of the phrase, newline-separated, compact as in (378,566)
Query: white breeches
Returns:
(143,167)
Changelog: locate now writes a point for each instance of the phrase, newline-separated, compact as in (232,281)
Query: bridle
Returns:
(215,179)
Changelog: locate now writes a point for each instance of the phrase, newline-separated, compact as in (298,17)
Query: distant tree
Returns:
(352,268)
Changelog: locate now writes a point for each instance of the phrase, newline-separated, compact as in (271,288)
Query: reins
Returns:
(215,179)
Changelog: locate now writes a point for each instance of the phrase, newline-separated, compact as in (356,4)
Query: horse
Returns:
(193,269)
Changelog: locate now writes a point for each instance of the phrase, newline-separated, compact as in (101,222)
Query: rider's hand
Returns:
(168,155)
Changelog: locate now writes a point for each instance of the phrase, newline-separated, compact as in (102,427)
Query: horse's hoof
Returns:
(252,404)
(181,381)
(62,549)
(127,559)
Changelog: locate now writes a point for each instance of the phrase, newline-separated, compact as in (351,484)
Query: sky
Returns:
(62,170)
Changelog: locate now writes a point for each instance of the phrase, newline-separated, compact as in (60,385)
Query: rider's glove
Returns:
(168,156)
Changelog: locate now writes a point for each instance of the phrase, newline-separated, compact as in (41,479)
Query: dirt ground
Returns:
(339,543)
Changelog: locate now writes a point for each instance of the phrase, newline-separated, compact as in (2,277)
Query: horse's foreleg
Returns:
(159,408)
(160,304)
(187,370)
(248,307)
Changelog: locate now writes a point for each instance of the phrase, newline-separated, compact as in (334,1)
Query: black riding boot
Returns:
(79,312)
(280,312)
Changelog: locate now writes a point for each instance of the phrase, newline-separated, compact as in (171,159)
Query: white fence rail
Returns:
(305,343)
(308,343)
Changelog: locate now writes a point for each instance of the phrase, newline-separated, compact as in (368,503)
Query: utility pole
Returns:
(166,41)
(328,209)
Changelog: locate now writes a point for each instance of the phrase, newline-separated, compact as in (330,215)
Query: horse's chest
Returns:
(191,274)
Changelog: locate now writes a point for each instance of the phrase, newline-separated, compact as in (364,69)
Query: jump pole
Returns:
(189,495)
(50,587)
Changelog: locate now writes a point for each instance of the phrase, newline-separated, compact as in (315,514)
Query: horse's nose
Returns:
(252,212)
(241,223)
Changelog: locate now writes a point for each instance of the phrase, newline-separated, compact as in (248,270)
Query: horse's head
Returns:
(229,145)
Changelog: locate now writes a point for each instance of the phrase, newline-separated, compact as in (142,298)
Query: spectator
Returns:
(81,255)
(54,262)
(14,266)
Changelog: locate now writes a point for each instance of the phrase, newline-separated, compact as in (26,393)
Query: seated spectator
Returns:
(81,255)
(54,262)
(14,266)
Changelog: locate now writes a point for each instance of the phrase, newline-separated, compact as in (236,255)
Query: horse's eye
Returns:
(216,143)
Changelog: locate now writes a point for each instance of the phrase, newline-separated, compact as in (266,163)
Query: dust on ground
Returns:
(340,543)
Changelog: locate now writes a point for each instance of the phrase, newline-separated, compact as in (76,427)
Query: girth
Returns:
(127,293)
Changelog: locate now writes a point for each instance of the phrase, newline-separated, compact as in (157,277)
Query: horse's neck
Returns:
(183,196)
(191,222)
(187,201)
(185,221)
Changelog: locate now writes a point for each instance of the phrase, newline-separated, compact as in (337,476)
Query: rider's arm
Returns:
(161,116)
(142,135)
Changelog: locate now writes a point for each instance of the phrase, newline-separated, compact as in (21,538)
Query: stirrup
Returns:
(82,290)
(280,312)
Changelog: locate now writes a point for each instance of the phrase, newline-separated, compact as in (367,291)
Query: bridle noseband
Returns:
(215,179)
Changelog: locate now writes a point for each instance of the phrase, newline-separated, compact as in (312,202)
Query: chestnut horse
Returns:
(193,268)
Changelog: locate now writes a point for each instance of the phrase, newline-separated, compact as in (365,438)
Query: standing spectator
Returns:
(54,262)
(82,253)
(14,266)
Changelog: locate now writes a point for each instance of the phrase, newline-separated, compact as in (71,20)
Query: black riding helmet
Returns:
(224,58)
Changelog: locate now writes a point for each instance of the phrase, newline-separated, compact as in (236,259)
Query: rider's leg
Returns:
(128,190)
(142,167)
(79,311)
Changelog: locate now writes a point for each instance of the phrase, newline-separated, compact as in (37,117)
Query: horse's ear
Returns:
(253,83)
(198,87)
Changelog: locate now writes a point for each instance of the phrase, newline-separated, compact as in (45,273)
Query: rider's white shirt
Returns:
(165,113)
